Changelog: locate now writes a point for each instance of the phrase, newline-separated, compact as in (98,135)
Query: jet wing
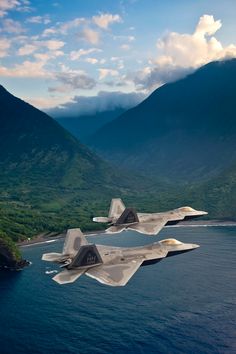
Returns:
(68,276)
(148,228)
(115,274)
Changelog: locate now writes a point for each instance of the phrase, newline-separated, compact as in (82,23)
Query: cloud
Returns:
(72,80)
(103,101)
(179,54)
(39,19)
(18,5)
(124,38)
(11,26)
(125,46)
(6,5)
(207,25)
(150,78)
(4,46)
(91,60)
(107,72)
(89,35)
(75,55)
(27,49)
(53,46)
(47,102)
(49,31)
(66,26)
(195,49)
(104,20)
(27,69)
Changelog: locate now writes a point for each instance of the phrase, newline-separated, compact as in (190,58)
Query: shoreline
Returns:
(53,237)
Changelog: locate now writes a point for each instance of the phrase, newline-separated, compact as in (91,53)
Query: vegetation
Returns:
(41,209)
(7,243)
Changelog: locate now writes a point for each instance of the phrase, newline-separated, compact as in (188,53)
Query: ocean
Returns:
(184,304)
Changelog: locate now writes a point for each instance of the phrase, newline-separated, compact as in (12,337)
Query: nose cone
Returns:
(189,246)
(188,211)
(202,212)
(194,246)
(177,247)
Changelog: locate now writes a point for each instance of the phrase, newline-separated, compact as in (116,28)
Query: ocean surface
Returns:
(184,304)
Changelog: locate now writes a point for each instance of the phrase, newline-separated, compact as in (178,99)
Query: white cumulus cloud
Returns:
(10,26)
(91,60)
(104,20)
(192,49)
(6,5)
(103,73)
(4,46)
(89,35)
(27,69)
(39,19)
(27,49)
(77,54)
(181,53)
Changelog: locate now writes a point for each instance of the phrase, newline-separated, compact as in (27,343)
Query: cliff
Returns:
(10,257)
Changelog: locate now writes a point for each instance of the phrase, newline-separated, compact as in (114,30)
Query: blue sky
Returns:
(53,52)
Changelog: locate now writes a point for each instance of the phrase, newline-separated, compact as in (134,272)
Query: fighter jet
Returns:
(122,218)
(109,265)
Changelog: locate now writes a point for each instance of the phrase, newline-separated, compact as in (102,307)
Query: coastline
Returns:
(53,237)
(49,238)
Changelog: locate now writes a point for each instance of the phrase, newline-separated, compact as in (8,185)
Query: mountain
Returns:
(183,131)
(85,125)
(48,179)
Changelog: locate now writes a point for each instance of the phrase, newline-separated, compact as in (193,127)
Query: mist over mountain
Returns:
(102,102)
(184,130)
(84,126)
(85,115)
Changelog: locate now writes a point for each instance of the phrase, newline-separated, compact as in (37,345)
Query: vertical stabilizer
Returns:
(116,209)
(74,240)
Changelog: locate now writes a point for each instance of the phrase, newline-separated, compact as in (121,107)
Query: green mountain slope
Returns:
(48,180)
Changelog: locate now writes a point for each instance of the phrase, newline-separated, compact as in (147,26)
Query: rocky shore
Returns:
(10,258)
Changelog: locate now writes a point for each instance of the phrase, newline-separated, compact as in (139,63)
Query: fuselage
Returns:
(149,254)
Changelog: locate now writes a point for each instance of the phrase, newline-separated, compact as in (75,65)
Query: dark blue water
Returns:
(184,304)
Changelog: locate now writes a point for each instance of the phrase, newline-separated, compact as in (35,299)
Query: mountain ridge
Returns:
(180,124)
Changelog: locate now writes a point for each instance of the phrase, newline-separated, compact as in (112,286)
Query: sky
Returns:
(62,53)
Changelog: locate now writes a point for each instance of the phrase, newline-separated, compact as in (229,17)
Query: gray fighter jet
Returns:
(109,265)
(122,218)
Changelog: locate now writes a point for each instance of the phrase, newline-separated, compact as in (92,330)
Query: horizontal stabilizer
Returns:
(115,275)
(102,219)
(52,257)
(68,276)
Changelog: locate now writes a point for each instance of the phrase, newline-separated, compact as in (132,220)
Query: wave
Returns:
(51,271)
